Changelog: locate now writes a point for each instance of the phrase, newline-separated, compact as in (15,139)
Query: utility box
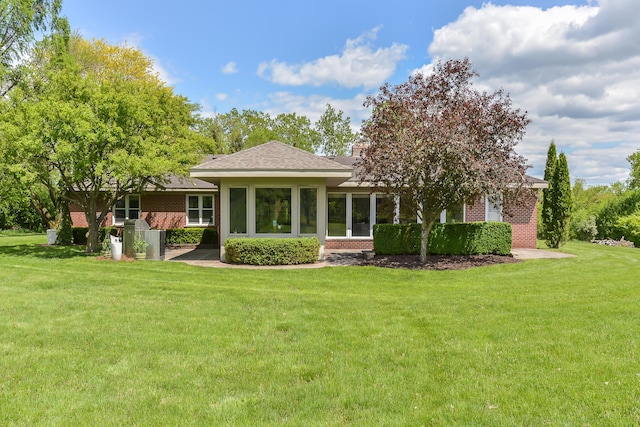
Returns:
(133,228)
(156,241)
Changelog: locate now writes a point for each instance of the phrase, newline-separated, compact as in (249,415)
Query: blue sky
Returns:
(574,66)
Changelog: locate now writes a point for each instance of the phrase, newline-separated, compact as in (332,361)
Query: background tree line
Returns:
(600,211)
(86,122)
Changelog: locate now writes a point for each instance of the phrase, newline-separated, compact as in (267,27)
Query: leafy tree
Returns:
(624,204)
(103,126)
(334,133)
(20,20)
(437,142)
(560,204)
(634,178)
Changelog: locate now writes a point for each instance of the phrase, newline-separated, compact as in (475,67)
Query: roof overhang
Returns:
(270,173)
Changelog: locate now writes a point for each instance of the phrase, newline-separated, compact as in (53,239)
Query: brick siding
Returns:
(160,210)
(354,244)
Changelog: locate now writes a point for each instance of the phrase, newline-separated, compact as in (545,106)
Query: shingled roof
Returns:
(270,160)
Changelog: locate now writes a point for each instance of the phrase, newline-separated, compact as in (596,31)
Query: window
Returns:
(273,210)
(200,210)
(337,215)
(407,213)
(238,210)
(494,208)
(360,215)
(127,208)
(385,209)
(454,214)
(308,210)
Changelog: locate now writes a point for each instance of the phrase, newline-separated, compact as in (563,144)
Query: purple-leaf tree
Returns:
(436,142)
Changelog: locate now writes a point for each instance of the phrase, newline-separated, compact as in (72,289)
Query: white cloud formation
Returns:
(576,70)
(358,65)
(222,96)
(230,68)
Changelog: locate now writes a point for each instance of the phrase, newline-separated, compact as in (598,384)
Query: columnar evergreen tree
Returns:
(561,200)
(547,206)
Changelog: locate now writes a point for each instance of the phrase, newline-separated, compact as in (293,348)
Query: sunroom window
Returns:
(273,210)
(308,210)
(238,210)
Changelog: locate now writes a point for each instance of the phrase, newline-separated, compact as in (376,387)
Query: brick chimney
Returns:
(358,148)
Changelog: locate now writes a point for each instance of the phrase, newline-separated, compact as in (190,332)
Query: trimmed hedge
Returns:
(469,238)
(272,251)
(174,236)
(188,236)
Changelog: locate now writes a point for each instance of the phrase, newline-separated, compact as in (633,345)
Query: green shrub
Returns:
(629,227)
(272,251)
(607,218)
(187,236)
(584,228)
(470,238)
(397,239)
(80,234)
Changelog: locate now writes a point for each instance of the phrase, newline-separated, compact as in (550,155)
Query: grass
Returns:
(544,342)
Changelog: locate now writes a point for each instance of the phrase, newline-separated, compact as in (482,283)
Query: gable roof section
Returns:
(272,159)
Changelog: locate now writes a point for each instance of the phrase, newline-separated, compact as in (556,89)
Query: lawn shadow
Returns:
(44,251)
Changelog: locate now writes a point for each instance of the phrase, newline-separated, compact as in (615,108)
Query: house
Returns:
(277,190)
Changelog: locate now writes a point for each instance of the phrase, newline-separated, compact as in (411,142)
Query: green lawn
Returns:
(544,342)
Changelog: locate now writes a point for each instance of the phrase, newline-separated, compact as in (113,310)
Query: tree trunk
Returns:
(427,224)
(92,237)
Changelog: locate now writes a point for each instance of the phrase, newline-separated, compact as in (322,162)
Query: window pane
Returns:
(238,210)
(134,202)
(207,216)
(134,214)
(207,202)
(308,210)
(494,208)
(385,209)
(193,202)
(337,215)
(194,216)
(360,215)
(119,215)
(408,214)
(455,213)
(273,210)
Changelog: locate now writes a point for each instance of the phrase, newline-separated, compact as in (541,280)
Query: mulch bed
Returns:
(438,262)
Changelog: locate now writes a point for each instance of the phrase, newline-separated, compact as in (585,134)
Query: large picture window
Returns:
(126,208)
(273,210)
(308,210)
(200,210)
(337,215)
(238,210)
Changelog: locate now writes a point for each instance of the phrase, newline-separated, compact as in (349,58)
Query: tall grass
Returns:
(543,342)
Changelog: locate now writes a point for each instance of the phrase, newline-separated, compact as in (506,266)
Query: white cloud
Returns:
(222,96)
(230,68)
(576,70)
(358,65)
